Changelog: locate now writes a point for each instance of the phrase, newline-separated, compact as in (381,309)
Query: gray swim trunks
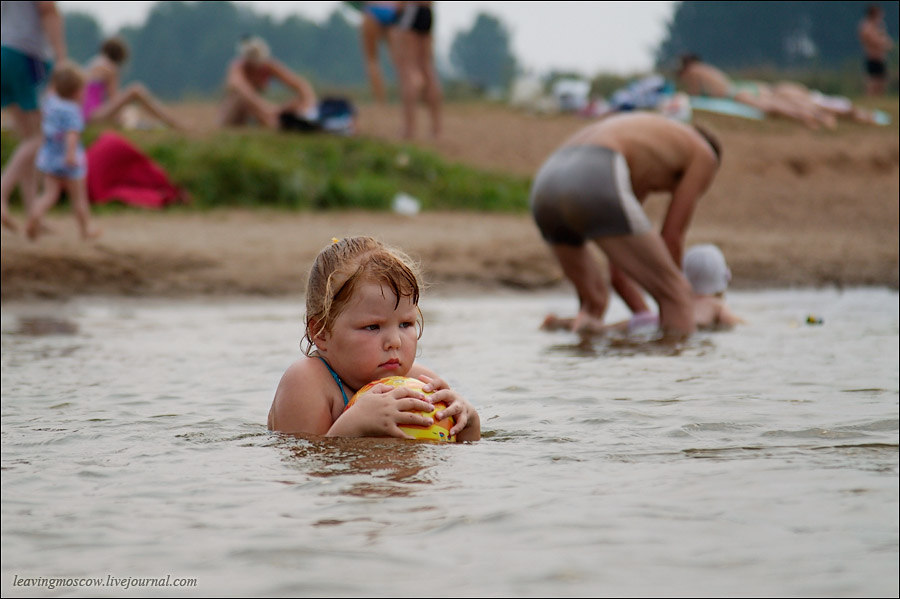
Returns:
(584,192)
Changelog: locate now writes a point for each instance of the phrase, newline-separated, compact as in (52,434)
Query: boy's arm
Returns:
(694,182)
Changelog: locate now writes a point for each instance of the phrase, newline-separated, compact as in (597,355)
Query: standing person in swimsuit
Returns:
(104,101)
(876,43)
(418,74)
(31,36)
(379,19)
(363,323)
(591,189)
(246,80)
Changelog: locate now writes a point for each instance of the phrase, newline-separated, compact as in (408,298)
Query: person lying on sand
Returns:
(787,98)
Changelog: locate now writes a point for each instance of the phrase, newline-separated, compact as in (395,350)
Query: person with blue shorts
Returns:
(31,35)
(379,19)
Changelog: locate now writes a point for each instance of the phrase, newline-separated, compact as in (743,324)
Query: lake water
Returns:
(762,461)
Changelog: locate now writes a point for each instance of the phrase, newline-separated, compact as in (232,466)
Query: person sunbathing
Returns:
(104,101)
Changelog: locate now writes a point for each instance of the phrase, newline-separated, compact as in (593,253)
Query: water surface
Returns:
(762,461)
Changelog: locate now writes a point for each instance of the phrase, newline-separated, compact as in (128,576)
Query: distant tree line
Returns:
(777,35)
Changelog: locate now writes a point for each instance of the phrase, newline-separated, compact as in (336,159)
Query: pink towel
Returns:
(119,171)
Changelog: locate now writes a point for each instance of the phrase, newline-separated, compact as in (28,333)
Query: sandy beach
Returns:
(790,208)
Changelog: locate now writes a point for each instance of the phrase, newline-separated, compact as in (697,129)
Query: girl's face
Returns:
(371,339)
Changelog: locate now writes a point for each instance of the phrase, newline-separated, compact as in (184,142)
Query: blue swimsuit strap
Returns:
(337,379)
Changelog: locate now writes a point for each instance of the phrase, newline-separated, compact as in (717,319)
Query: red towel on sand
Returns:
(119,171)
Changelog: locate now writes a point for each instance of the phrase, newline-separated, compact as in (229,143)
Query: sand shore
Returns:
(790,207)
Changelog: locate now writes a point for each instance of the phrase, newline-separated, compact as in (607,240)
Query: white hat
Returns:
(705,268)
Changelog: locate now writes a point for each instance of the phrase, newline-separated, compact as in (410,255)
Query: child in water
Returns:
(705,268)
(61,157)
(362,324)
(709,275)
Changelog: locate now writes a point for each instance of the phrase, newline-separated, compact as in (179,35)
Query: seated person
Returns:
(246,80)
(104,101)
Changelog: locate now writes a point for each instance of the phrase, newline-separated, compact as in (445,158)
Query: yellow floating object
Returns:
(439,431)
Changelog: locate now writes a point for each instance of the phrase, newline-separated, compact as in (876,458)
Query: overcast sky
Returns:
(588,37)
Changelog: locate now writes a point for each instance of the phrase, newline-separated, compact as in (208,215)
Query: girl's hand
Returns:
(468,424)
(381,410)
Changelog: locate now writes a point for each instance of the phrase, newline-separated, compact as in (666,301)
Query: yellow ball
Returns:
(439,431)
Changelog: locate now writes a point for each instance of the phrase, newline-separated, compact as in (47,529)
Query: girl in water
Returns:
(363,323)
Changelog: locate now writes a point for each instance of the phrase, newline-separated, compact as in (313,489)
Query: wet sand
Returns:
(790,207)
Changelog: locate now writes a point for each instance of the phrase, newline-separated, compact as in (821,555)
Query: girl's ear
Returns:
(320,338)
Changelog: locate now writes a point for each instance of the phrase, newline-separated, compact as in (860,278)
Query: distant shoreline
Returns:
(789,208)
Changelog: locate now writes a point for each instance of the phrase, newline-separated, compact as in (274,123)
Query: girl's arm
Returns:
(72,148)
(112,83)
(468,423)
(302,405)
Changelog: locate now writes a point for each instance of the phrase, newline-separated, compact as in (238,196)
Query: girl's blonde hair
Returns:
(339,269)
(254,49)
(67,79)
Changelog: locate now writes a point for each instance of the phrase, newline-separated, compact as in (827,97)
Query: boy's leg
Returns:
(646,260)
(40,206)
(77,189)
(584,271)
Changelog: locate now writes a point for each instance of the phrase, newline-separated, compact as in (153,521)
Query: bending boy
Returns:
(591,189)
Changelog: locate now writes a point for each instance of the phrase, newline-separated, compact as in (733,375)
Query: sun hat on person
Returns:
(706,270)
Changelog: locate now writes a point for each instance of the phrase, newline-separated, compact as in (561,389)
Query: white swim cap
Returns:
(706,270)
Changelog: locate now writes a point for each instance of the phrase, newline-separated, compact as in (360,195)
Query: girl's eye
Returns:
(406,325)
(371,327)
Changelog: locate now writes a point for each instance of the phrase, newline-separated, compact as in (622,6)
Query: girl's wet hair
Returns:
(339,269)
